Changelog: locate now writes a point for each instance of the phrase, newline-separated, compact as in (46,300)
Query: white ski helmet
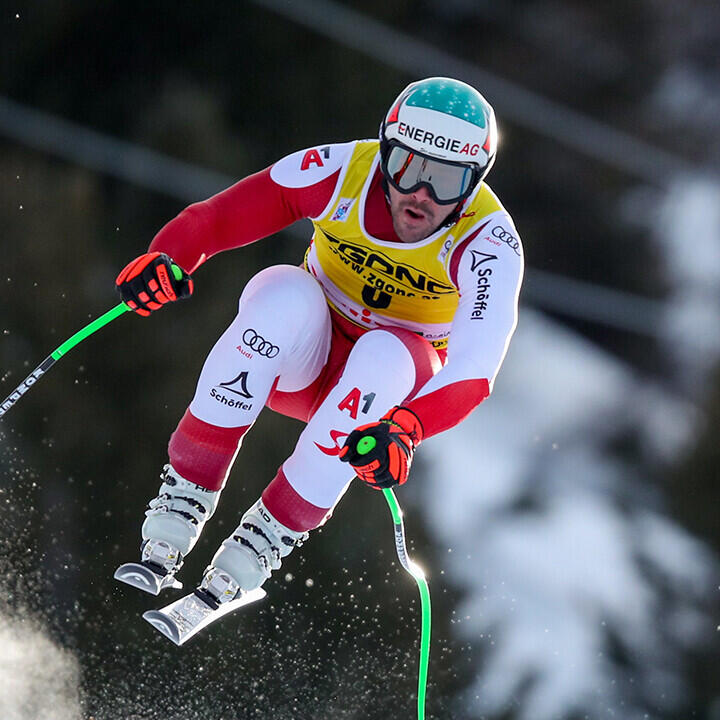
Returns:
(444,120)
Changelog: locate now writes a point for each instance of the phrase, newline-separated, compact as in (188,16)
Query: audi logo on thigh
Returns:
(508,238)
(259,344)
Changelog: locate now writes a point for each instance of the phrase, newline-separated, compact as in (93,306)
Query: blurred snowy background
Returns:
(569,528)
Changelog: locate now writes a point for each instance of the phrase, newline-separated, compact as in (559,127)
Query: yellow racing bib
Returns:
(374,282)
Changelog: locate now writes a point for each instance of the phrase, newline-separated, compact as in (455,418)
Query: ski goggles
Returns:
(447,182)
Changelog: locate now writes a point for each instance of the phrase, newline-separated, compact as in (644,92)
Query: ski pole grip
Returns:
(365,445)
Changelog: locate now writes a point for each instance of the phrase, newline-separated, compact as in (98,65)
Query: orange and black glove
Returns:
(381,453)
(150,281)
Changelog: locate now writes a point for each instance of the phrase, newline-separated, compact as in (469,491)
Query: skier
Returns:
(393,329)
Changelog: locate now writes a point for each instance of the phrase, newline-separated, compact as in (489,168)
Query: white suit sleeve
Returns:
(487,268)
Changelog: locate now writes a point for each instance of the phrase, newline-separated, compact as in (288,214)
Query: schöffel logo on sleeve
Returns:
(482,289)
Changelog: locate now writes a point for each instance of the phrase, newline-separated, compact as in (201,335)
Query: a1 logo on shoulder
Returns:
(313,157)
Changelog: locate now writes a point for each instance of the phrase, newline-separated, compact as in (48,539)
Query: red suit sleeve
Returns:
(448,406)
(253,208)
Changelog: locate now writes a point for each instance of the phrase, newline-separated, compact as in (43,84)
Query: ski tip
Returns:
(142,578)
(163,624)
(253,596)
(138,577)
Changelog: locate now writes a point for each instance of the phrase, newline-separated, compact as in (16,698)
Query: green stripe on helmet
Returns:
(450,97)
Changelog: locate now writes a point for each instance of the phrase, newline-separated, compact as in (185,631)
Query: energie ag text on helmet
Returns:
(440,141)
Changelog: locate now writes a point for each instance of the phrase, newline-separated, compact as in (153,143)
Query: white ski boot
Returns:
(173,523)
(248,557)
(233,580)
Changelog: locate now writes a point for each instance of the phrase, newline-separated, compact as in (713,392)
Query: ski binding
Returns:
(185,617)
(140,576)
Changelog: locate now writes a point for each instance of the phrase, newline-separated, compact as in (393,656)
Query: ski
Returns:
(142,577)
(185,617)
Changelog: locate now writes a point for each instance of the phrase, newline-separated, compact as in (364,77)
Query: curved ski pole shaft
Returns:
(69,344)
(89,329)
(419,575)
(51,359)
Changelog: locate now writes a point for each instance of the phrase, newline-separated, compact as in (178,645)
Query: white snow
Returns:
(38,679)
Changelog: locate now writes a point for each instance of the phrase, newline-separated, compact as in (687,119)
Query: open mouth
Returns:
(415,214)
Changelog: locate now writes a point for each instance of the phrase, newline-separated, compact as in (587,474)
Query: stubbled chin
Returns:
(413,234)
(410,233)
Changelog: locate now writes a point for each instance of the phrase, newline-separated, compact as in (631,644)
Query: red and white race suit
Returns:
(368,322)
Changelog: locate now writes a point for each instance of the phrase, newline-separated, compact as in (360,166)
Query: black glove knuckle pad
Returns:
(131,291)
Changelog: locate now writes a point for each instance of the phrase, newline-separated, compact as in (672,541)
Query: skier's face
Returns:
(415,215)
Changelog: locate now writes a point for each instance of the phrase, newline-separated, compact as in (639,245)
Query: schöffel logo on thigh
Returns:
(259,344)
(236,386)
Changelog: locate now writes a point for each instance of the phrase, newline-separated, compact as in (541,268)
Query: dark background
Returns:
(231,87)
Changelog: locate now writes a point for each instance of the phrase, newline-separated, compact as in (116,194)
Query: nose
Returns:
(422,194)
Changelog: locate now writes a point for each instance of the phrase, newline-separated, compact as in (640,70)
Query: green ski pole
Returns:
(416,571)
(69,344)
(364,446)
(54,356)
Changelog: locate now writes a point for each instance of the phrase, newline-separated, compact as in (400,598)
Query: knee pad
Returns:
(287,292)
(400,349)
(424,356)
(380,344)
